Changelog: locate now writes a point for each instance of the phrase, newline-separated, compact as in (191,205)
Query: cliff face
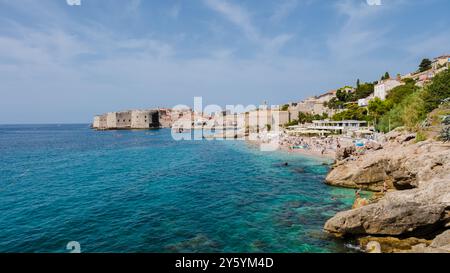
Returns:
(418,201)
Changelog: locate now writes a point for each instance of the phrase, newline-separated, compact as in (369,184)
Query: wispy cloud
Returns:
(133,6)
(237,15)
(241,18)
(174,11)
(284,10)
(360,34)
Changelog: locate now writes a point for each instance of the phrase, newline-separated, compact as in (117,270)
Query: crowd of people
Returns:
(318,145)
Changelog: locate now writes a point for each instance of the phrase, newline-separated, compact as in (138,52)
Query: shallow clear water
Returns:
(141,191)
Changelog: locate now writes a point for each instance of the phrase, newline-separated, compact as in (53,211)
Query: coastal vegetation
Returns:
(405,105)
(347,95)
(303,118)
(408,105)
(353,112)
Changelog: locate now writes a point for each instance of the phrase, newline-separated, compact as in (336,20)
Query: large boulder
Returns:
(410,212)
(442,241)
(401,165)
(345,152)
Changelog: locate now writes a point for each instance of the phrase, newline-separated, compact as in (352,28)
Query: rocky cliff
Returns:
(418,202)
(400,162)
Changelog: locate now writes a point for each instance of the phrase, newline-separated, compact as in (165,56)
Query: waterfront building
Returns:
(340,127)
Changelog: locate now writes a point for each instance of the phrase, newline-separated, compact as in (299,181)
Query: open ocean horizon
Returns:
(142,191)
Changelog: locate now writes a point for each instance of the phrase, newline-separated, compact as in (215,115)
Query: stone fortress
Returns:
(132,119)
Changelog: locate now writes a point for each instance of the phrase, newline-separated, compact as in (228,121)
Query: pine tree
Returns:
(425,65)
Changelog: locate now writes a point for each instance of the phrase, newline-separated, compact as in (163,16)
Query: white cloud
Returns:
(236,15)
(284,10)
(73,2)
(241,18)
(133,6)
(154,48)
(174,11)
(361,33)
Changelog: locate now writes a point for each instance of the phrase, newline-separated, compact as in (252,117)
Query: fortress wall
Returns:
(100,122)
(140,119)
(133,119)
(123,120)
(111,120)
(96,123)
(144,119)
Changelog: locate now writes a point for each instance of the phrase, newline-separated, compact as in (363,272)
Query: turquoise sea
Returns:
(141,191)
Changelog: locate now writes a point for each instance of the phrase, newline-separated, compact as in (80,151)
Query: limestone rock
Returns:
(392,244)
(373,247)
(345,152)
(442,240)
(409,212)
(401,166)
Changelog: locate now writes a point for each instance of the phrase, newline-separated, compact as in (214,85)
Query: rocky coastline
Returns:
(411,178)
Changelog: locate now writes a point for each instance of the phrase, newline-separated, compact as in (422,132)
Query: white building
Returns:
(440,62)
(341,127)
(384,86)
(365,101)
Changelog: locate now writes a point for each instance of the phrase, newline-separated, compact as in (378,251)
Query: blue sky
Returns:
(61,63)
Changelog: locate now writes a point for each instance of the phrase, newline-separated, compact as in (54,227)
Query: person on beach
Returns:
(359,201)
(357,194)
(385,187)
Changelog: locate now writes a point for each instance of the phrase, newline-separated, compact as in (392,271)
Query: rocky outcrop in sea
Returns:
(416,207)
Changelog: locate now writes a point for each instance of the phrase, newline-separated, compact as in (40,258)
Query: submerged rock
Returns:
(392,244)
(373,247)
(440,244)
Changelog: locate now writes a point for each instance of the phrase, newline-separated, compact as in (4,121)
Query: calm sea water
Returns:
(141,191)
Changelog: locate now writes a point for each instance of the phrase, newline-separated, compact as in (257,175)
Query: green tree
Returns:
(399,93)
(438,90)
(353,112)
(377,108)
(335,103)
(409,81)
(387,76)
(425,65)
(410,112)
(363,91)
(308,118)
(285,107)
